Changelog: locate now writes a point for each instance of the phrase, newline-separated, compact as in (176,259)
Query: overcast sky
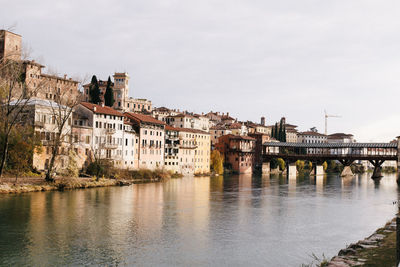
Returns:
(252,58)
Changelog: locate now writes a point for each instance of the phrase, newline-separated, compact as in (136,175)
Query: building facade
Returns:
(151,140)
(108,131)
(238,152)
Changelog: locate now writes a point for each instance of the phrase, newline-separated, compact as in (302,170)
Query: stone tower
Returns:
(263,121)
(121,90)
(10,45)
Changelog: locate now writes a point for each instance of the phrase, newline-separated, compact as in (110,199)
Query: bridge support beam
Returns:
(291,170)
(318,168)
(266,167)
(377,168)
(346,168)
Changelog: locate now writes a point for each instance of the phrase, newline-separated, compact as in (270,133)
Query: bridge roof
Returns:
(331,145)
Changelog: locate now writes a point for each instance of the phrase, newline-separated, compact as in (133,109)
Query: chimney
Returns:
(102,104)
(263,121)
(65,76)
(94,108)
(227,114)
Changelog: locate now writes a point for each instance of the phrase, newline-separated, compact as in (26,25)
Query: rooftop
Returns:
(98,109)
(143,118)
(189,130)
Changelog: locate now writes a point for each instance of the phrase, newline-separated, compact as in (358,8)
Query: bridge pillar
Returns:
(291,170)
(377,168)
(266,167)
(319,170)
(347,169)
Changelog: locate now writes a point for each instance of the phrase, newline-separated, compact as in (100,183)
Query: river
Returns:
(195,221)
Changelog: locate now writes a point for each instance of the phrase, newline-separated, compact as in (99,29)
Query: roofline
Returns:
(331,145)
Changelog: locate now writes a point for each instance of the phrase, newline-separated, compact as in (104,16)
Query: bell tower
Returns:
(10,45)
(121,90)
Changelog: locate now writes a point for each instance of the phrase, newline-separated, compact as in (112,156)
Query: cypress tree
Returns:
(94,91)
(284,133)
(280,137)
(276,131)
(109,94)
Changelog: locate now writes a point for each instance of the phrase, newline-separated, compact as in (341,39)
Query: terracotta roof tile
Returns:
(101,110)
(142,118)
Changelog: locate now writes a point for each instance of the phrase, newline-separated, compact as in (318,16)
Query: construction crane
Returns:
(326,120)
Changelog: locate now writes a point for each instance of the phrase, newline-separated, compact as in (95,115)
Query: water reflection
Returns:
(226,220)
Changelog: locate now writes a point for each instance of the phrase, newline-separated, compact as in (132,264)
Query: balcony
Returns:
(110,131)
(39,124)
(110,146)
(171,145)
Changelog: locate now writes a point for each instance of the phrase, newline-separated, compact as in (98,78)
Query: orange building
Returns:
(238,152)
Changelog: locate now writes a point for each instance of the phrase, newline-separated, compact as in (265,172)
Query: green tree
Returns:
(284,133)
(22,145)
(217,162)
(276,131)
(280,133)
(109,94)
(281,164)
(94,91)
(300,165)
(325,165)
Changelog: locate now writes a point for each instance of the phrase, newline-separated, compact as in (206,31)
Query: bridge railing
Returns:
(319,150)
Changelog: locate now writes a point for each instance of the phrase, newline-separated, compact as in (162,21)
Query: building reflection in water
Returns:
(242,219)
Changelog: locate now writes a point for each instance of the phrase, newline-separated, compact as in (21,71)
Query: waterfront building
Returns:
(82,134)
(172,149)
(38,84)
(187,150)
(130,151)
(108,131)
(151,140)
(238,152)
(123,102)
(41,115)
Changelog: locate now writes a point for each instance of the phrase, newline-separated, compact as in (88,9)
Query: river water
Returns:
(221,221)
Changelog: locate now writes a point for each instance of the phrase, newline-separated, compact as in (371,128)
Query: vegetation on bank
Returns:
(217,162)
(34,182)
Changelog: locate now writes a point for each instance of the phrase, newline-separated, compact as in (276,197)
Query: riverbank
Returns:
(61,184)
(379,249)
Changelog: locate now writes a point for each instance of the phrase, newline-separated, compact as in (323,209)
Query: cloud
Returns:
(252,58)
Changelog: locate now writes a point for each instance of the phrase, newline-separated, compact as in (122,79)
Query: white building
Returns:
(108,131)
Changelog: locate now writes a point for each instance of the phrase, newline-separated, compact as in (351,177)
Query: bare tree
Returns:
(62,109)
(16,90)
